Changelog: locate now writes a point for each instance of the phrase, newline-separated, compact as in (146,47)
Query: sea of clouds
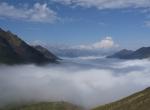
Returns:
(82,81)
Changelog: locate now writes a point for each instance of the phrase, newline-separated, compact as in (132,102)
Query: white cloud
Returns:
(37,13)
(107,4)
(105,43)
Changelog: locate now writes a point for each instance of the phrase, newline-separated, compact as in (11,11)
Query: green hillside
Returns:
(138,101)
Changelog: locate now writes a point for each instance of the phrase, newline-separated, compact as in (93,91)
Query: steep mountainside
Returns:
(46,52)
(14,50)
(138,101)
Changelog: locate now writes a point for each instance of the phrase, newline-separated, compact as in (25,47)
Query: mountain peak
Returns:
(15,50)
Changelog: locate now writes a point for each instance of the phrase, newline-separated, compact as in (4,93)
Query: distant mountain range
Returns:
(137,101)
(141,53)
(72,52)
(13,50)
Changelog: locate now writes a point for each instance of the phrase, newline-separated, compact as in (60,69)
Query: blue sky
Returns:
(78,22)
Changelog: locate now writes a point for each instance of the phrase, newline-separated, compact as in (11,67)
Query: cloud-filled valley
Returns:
(80,54)
(80,81)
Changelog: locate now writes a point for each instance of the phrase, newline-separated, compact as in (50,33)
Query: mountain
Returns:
(45,106)
(123,54)
(46,52)
(73,52)
(13,50)
(141,53)
(138,101)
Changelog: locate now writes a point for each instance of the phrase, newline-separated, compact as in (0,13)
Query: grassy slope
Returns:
(45,106)
(138,101)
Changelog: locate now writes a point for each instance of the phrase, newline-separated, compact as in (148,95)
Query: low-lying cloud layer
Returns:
(88,83)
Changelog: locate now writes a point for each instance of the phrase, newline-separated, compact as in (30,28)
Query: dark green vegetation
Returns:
(46,106)
(13,50)
(141,53)
(138,101)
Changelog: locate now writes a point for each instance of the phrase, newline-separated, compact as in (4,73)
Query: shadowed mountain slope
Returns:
(13,50)
(46,52)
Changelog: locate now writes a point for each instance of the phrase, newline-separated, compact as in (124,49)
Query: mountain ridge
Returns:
(46,52)
(14,50)
(141,53)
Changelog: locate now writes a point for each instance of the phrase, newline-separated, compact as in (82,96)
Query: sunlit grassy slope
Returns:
(138,101)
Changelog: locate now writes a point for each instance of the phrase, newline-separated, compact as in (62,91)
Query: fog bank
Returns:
(81,81)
